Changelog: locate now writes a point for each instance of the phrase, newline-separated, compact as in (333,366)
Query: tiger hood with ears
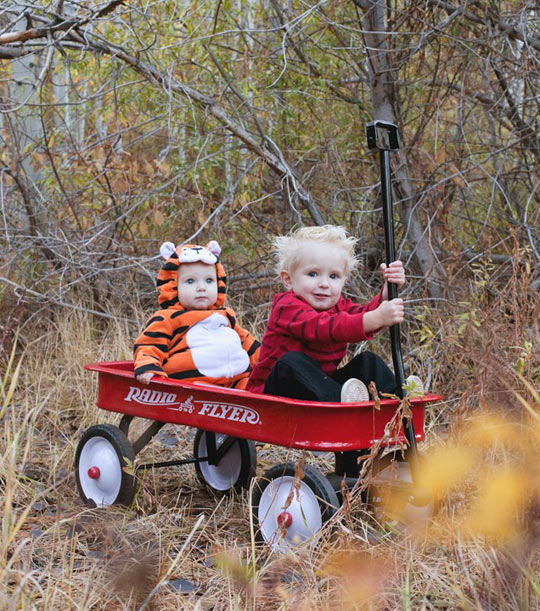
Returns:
(194,345)
(167,278)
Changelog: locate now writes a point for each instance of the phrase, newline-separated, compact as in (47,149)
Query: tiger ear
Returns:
(167,249)
(214,248)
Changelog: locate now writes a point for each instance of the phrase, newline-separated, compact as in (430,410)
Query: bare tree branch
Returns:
(504,27)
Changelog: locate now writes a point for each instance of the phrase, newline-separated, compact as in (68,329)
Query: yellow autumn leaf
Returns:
(159,218)
(494,513)
(360,575)
(444,469)
(201,216)
(493,430)
(457,179)
(440,156)
(149,168)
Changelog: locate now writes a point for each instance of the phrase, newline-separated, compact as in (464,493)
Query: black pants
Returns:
(297,376)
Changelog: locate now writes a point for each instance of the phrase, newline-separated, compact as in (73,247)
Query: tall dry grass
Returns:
(180,547)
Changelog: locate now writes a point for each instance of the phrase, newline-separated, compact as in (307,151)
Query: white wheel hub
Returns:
(103,489)
(224,475)
(283,527)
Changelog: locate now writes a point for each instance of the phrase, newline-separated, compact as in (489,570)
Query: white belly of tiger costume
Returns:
(216,349)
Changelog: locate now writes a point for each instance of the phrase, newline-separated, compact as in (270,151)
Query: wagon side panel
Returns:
(276,420)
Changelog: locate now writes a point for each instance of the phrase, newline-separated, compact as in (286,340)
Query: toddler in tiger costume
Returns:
(194,337)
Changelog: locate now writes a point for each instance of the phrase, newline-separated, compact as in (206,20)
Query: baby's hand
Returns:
(144,378)
(391,312)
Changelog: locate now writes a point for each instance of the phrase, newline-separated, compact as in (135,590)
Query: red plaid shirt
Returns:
(323,335)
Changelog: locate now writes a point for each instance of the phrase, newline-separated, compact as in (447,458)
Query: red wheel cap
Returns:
(94,473)
(284,519)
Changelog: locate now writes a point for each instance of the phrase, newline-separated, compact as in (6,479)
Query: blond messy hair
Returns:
(289,248)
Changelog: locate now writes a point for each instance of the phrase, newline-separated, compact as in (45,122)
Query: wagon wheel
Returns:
(336,481)
(393,498)
(288,512)
(234,469)
(102,456)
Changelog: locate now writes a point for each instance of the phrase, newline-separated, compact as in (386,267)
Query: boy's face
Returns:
(320,275)
(197,285)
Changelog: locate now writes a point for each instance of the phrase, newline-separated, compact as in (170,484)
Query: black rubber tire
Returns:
(317,482)
(335,481)
(248,465)
(126,456)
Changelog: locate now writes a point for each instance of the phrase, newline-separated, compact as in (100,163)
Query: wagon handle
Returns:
(384,137)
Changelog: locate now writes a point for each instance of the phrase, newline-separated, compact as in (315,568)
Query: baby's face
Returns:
(197,285)
(320,275)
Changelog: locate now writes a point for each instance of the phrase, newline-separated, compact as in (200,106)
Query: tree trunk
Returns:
(385,103)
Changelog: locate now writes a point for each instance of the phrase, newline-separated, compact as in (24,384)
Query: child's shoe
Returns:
(415,386)
(354,391)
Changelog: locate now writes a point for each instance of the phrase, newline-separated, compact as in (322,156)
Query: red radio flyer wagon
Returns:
(229,421)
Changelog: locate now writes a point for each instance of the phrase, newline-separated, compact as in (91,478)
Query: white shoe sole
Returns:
(354,391)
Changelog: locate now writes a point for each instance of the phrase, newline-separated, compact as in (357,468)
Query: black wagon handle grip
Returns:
(384,137)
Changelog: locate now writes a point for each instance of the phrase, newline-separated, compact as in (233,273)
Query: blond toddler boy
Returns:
(311,323)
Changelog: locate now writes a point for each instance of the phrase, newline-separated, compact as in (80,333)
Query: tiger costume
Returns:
(189,344)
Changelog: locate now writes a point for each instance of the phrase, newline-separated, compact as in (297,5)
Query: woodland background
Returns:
(125,124)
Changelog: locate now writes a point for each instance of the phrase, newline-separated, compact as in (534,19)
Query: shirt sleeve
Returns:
(152,346)
(349,306)
(355,308)
(293,316)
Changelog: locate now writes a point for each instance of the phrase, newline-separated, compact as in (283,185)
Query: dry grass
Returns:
(480,552)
